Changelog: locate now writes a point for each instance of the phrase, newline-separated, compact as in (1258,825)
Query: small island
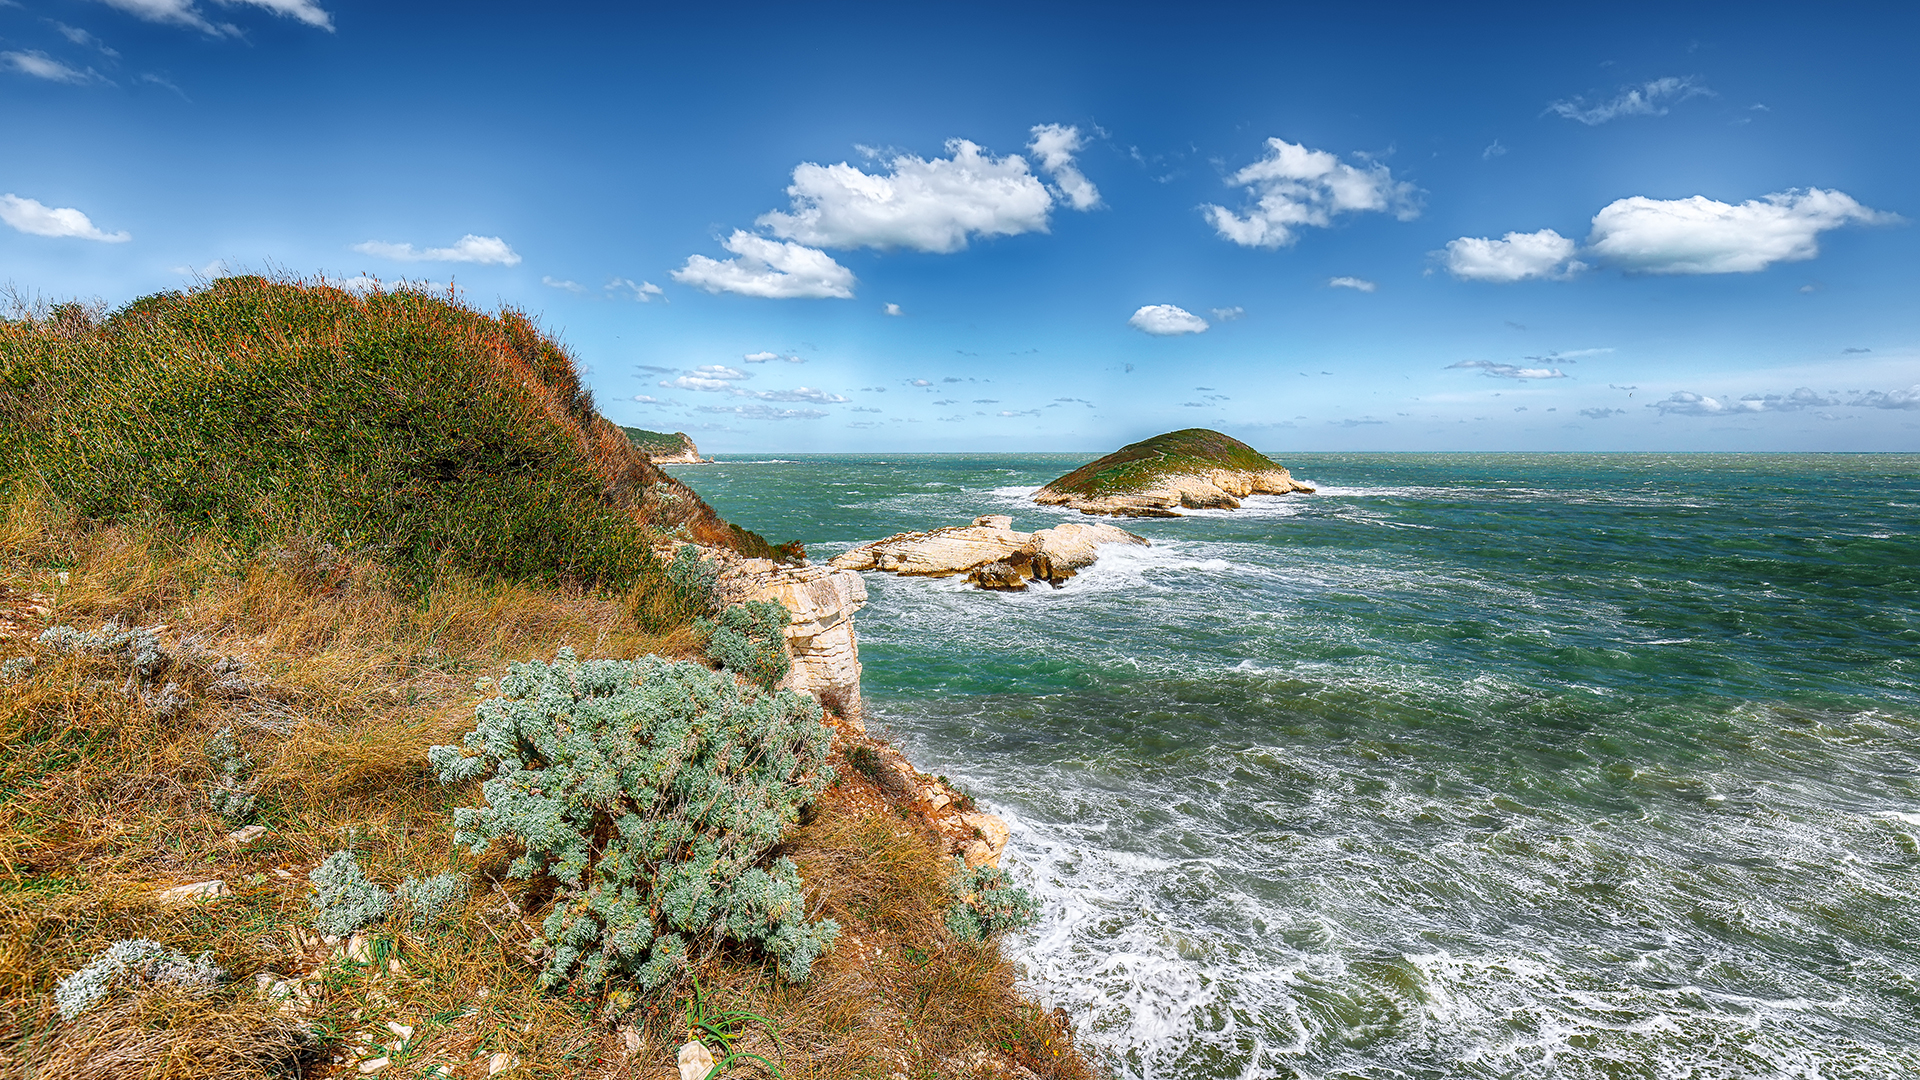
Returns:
(665,449)
(1195,469)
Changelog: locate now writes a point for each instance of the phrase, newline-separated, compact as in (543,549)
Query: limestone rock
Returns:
(990,839)
(195,892)
(821,640)
(695,1061)
(990,552)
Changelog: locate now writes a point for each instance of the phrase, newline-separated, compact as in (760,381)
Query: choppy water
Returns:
(1469,765)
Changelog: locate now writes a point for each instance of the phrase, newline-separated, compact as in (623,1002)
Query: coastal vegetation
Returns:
(661,446)
(265,546)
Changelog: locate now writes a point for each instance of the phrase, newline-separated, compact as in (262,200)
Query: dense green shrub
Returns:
(648,793)
(985,902)
(132,964)
(749,639)
(343,899)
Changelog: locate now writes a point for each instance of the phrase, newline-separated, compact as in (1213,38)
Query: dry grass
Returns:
(346,682)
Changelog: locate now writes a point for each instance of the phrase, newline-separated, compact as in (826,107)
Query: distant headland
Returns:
(665,449)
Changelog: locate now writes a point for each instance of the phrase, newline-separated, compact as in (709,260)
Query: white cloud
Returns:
(41,66)
(643,292)
(184,13)
(1516,257)
(765,412)
(305,11)
(30,216)
(719,371)
(1492,151)
(924,205)
(570,286)
(1165,320)
(1687,403)
(804,393)
(1053,146)
(1703,236)
(760,357)
(697,382)
(485,250)
(1892,399)
(1510,371)
(1228,314)
(1361,284)
(893,309)
(1647,99)
(1296,187)
(795,360)
(770,269)
(82,37)
(1602,413)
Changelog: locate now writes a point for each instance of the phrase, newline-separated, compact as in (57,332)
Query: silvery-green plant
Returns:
(985,902)
(431,900)
(133,963)
(649,792)
(696,579)
(343,899)
(139,647)
(749,639)
(228,793)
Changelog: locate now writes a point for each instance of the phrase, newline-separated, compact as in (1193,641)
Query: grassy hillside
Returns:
(404,426)
(262,545)
(1137,466)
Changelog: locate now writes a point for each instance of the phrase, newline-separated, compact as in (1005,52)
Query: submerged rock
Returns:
(1195,469)
(990,552)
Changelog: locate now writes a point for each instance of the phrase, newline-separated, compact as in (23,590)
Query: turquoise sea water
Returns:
(1468,765)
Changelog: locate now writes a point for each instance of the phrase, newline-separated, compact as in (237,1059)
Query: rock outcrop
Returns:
(822,600)
(1195,469)
(990,552)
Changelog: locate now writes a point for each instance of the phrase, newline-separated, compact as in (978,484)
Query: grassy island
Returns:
(1194,468)
(303,777)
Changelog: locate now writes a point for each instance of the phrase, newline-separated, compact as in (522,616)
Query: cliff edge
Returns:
(1195,469)
(664,449)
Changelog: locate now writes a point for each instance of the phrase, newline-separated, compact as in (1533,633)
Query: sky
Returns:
(995,227)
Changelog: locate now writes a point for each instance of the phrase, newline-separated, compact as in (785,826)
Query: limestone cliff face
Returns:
(1213,489)
(665,448)
(821,639)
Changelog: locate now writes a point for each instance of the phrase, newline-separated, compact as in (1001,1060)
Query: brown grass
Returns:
(345,684)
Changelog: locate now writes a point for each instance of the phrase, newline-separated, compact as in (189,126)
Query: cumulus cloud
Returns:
(1687,403)
(1294,186)
(1515,257)
(1892,399)
(41,66)
(38,219)
(1165,320)
(804,393)
(485,250)
(923,205)
(1704,236)
(1021,412)
(1647,99)
(1053,146)
(1361,284)
(771,269)
(1509,371)
(1228,314)
(892,309)
(760,357)
(697,382)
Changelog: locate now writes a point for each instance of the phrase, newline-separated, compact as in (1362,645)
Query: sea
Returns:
(1468,765)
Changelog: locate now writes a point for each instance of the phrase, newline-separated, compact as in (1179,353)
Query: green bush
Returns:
(985,902)
(649,794)
(749,639)
(431,900)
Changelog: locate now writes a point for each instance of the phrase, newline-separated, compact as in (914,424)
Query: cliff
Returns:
(1196,469)
(664,449)
(990,552)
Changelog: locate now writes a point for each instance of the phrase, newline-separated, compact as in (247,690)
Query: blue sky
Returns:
(1013,227)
